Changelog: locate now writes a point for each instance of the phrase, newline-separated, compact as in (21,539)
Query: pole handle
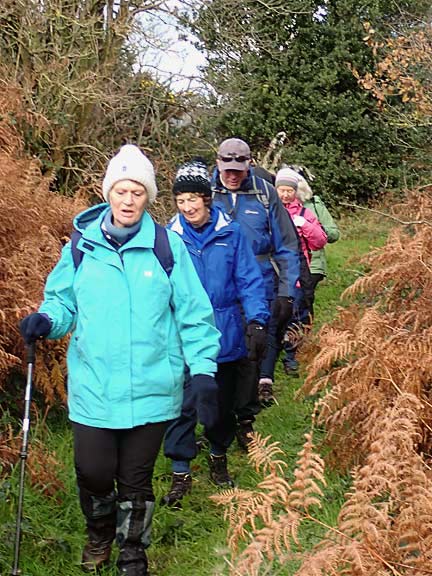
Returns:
(31,353)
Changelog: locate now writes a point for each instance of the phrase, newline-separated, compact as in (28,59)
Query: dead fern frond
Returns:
(262,454)
(309,472)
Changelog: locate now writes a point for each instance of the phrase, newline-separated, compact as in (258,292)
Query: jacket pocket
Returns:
(229,323)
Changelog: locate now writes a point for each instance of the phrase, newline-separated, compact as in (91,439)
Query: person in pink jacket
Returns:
(312,237)
(312,234)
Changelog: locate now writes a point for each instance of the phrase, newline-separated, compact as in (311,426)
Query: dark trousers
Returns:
(180,444)
(247,405)
(302,316)
(108,459)
(295,330)
(246,395)
(274,345)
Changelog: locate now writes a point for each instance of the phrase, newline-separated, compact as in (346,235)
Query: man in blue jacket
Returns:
(231,277)
(255,205)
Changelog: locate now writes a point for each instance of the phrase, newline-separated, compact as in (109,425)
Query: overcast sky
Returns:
(171,57)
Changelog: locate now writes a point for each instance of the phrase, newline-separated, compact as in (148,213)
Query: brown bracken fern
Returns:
(372,376)
(34,225)
(264,523)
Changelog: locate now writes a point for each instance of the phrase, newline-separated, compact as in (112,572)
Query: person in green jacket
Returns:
(318,264)
(134,327)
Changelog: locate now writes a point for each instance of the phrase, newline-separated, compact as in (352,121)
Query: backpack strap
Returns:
(77,254)
(162,249)
(302,213)
(262,195)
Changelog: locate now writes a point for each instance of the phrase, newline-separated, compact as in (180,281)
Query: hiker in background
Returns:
(255,205)
(231,277)
(312,237)
(134,322)
(311,201)
(318,262)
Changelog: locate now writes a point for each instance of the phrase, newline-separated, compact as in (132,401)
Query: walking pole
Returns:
(31,355)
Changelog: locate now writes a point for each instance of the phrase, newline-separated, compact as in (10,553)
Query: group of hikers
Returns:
(174,326)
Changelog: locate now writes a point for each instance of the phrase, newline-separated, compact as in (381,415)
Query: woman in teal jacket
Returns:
(134,325)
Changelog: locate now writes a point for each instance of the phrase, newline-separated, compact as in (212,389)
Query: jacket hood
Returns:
(84,219)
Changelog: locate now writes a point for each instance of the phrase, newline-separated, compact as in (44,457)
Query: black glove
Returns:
(206,392)
(283,309)
(256,340)
(35,326)
(283,312)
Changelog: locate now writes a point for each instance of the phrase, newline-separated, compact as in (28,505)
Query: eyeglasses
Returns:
(236,158)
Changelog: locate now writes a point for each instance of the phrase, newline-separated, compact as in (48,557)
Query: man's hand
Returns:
(256,340)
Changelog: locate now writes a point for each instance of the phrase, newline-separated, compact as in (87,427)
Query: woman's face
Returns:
(286,194)
(128,200)
(193,208)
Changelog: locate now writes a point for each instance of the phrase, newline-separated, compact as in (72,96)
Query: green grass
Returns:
(191,541)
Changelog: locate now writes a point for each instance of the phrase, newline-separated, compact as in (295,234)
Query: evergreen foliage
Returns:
(288,67)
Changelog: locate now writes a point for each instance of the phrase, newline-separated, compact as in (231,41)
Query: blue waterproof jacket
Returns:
(230,275)
(133,327)
(268,228)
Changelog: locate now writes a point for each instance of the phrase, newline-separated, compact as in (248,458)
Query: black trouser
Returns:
(180,444)
(246,393)
(315,280)
(106,459)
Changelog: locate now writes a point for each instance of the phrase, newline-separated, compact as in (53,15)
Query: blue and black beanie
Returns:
(193,177)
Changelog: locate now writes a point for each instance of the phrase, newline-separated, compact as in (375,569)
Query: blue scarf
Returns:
(199,235)
(118,236)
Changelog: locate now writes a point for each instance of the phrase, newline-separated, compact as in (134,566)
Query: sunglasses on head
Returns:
(236,158)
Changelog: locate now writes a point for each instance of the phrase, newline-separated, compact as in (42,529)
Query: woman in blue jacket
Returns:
(133,327)
(232,278)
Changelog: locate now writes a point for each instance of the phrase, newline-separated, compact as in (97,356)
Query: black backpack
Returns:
(161,249)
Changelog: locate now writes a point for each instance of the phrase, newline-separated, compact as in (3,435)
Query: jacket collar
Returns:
(222,222)
(89,224)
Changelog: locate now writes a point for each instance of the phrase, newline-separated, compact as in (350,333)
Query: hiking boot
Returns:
(133,562)
(95,556)
(201,443)
(291,367)
(180,486)
(219,471)
(265,392)
(243,433)
(101,530)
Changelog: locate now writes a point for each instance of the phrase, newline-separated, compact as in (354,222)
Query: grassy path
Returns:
(189,542)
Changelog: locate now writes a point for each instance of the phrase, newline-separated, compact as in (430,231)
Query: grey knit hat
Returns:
(287,177)
(193,177)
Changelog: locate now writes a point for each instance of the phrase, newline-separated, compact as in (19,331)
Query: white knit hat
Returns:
(130,164)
